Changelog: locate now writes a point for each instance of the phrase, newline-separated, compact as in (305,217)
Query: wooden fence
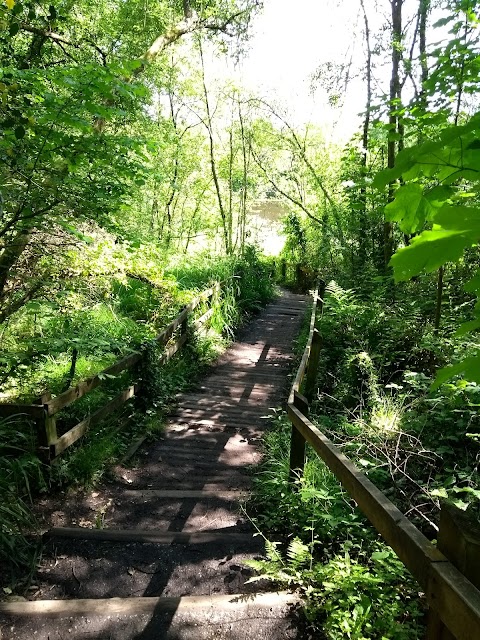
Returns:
(448,573)
(44,412)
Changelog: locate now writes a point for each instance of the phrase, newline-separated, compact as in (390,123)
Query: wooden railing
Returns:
(449,573)
(44,412)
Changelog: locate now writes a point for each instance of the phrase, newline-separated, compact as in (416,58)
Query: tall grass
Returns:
(21,477)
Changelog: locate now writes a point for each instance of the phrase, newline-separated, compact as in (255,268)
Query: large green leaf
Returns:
(409,208)
(468,368)
(473,285)
(429,251)
(458,218)
(467,327)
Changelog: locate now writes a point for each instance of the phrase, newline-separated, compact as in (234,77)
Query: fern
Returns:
(284,572)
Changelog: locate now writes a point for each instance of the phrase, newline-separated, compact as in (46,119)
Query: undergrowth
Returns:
(319,543)
(102,334)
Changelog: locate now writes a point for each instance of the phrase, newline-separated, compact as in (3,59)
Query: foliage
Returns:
(354,586)
(21,476)
(376,401)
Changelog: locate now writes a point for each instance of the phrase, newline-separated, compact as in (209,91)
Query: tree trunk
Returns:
(243,197)
(362,240)
(394,130)
(213,164)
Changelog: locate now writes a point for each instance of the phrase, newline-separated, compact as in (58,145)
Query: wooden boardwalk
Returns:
(158,552)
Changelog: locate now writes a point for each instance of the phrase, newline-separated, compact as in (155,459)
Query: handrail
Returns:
(53,445)
(450,595)
(306,353)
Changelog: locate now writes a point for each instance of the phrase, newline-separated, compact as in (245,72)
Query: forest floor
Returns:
(169,523)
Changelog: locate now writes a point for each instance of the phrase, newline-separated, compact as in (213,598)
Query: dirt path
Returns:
(159,551)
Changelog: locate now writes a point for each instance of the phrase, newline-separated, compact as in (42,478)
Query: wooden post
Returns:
(47,436)
(283,270)
(297,442)
(313,360)
(184,326)
(459,541)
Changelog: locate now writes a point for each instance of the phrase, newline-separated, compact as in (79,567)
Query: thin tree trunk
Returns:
(365,142)
(213,164)
(230,185)
(424,8)
(243,199)
(395,99)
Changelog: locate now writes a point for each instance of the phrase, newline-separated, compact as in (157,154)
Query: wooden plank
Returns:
(30,410)
(179,460)
(186,494)
(240,411)
(64,399)
(306,354)
(133,448)
(408,543)
(204,319)
(136,605)
(171,351)
(165,336)
(312,366)
(459,539)
(455,599)
(80,429)
(150,536)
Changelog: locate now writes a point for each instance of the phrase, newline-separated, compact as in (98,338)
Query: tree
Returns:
(76,78)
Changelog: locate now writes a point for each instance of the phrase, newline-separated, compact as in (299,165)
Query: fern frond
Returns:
(298,554)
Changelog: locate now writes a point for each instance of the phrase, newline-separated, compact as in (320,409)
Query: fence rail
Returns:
(44,413)
(448,573)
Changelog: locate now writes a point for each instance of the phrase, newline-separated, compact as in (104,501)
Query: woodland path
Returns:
(158,551)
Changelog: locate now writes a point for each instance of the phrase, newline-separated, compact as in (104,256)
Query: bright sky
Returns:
(290,41)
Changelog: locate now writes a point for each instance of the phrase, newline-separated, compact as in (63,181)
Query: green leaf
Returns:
(468,369)
(473,284)
(386,176)
(409,208)
(443,21)
(458,218)
(467,327)
(19,132)
(429,251)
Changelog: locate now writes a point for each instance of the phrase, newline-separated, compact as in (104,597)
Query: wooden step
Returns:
(186,494)
(110,606)
(217,536)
